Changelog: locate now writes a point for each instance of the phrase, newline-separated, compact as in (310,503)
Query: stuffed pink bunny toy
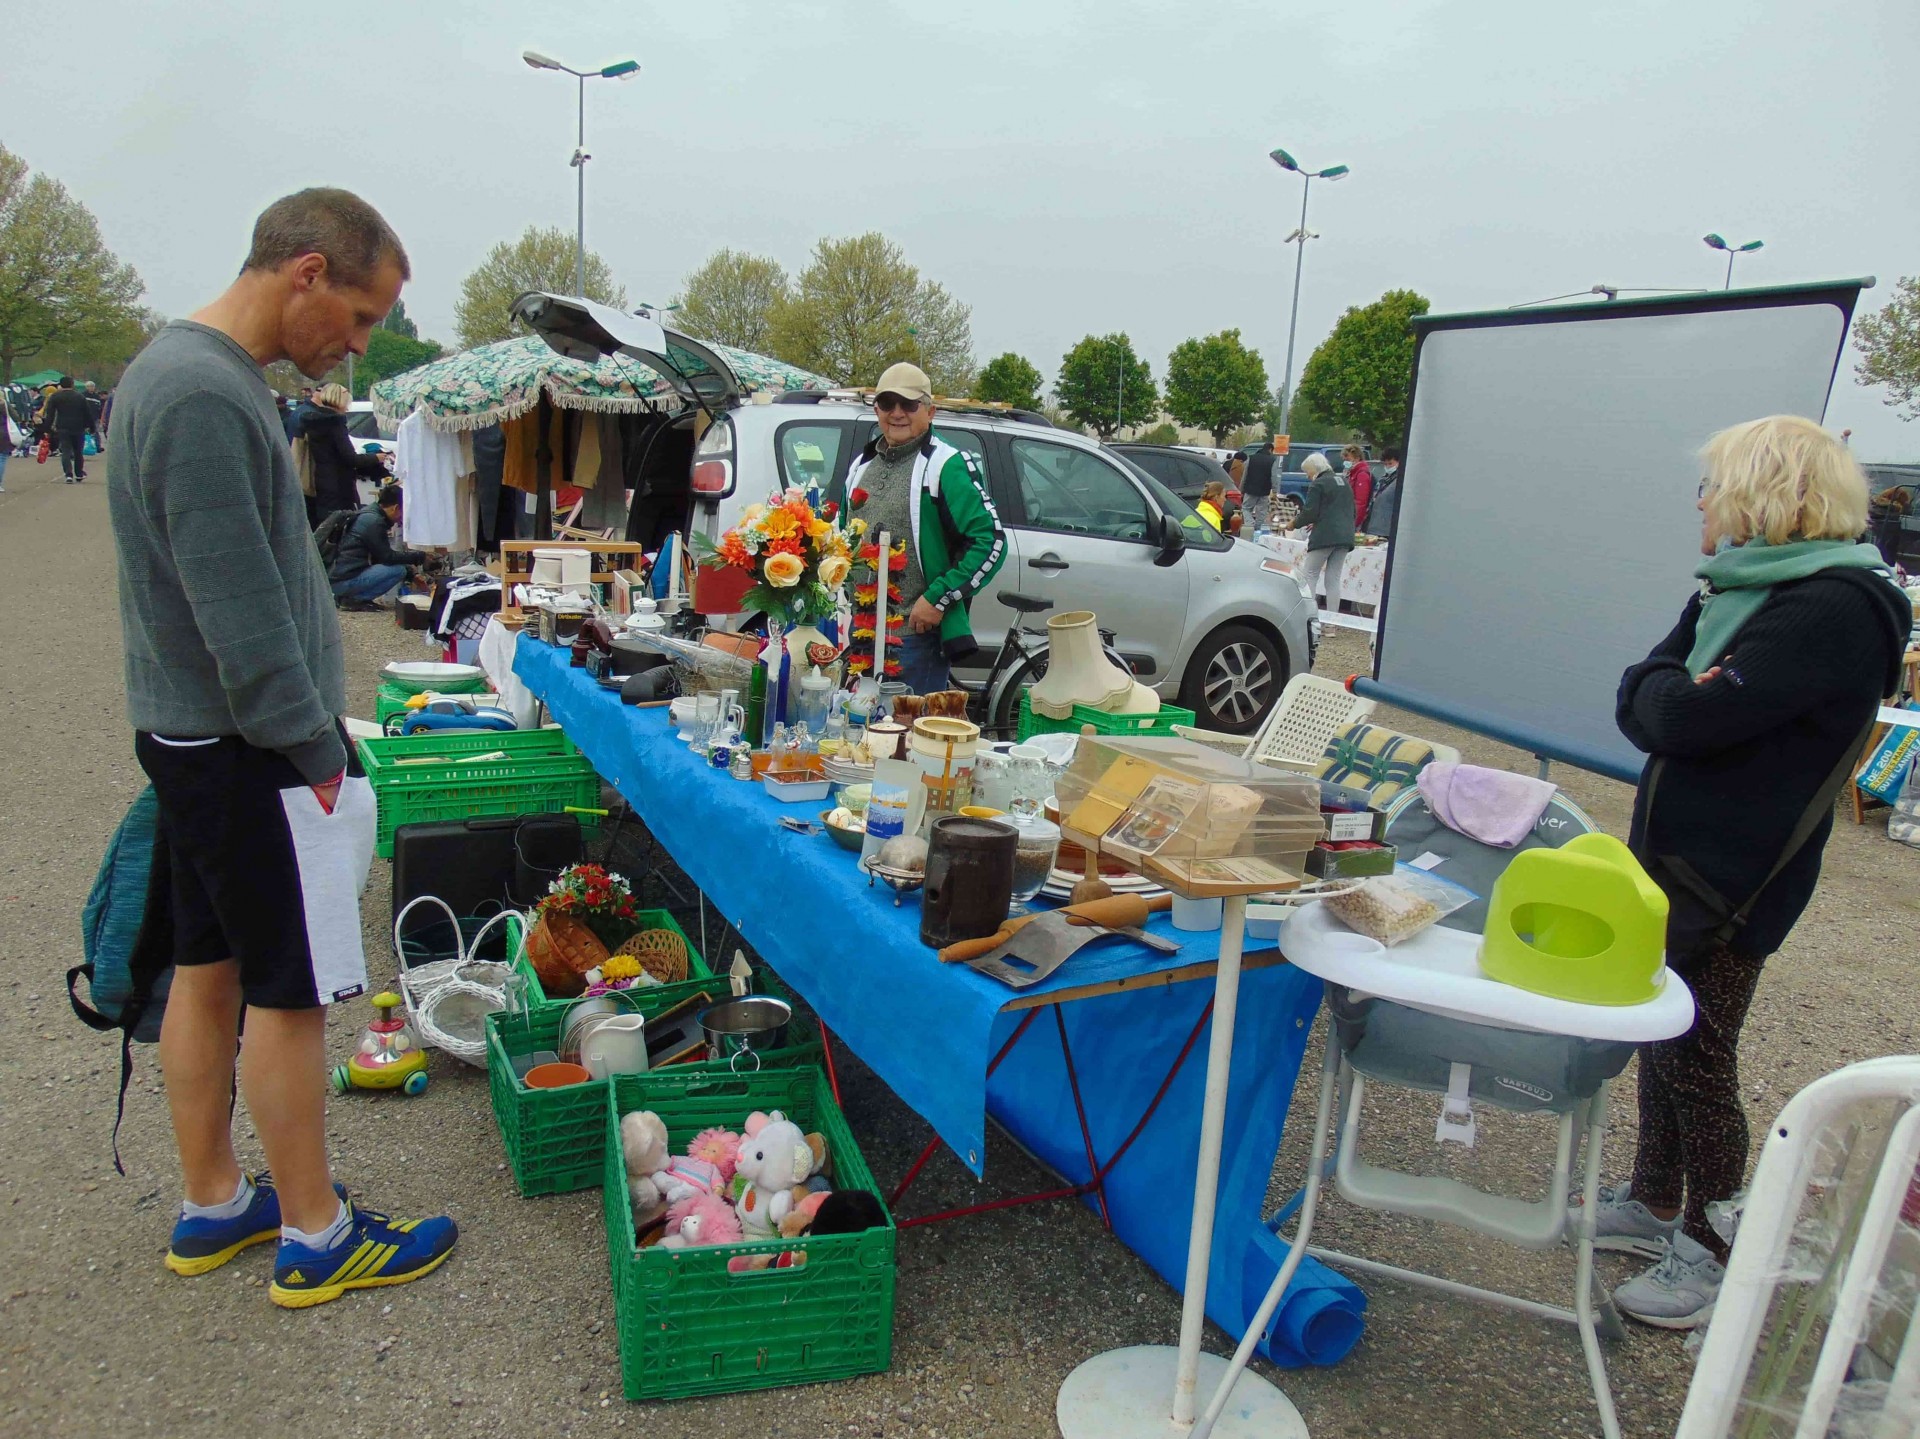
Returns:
(703,1219)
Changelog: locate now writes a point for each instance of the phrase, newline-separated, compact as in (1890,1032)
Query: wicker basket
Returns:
(562,949)
(661,952)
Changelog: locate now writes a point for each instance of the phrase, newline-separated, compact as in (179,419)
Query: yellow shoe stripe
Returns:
(371,1265)
(307,1298)
(352,1262)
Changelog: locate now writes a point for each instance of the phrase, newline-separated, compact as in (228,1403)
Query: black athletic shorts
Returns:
(257,871)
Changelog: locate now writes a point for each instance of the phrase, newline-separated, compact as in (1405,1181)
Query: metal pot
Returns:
(752,1024)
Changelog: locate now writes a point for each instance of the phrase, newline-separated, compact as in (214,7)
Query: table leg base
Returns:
(1128,1394)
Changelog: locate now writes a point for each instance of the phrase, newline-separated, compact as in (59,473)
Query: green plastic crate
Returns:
(687,1326)
(391,699)
(697,968)
(554,1137)
(1160,723)
(543,773)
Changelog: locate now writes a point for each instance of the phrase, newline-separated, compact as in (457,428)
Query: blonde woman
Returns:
(336,463)
(1212,505)
(1752,713)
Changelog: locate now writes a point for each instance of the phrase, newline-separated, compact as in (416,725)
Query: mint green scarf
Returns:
(1738,581)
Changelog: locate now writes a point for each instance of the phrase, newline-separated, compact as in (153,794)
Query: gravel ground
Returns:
(515,1334)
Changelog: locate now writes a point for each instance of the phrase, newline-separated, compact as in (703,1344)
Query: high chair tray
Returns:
(1438,970)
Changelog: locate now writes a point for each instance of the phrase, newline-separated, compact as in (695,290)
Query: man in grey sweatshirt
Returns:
(235,684)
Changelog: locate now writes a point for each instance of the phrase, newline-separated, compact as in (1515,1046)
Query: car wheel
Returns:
(1233,679)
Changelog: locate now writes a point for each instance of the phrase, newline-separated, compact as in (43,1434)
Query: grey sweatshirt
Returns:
(227,616)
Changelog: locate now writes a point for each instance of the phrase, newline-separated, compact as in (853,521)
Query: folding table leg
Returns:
(1583,1280)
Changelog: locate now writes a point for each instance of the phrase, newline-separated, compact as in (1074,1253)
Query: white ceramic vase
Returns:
(1078,670)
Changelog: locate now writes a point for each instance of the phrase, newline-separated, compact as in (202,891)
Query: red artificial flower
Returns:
(831,510)
(859,497)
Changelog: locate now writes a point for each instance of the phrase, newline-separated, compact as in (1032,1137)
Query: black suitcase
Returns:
(467,863)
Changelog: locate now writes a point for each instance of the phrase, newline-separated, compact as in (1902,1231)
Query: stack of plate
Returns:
(844,771)
(1060,884)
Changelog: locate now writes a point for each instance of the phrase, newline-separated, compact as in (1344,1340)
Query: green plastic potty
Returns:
(1582,922)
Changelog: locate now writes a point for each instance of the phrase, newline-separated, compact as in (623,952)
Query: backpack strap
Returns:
(1733,920)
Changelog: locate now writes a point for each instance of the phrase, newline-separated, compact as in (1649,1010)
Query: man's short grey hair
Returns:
(335,224)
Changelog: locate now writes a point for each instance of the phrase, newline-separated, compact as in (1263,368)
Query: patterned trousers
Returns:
(1693,1130)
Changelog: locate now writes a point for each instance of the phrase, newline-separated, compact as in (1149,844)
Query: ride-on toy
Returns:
(389,1057)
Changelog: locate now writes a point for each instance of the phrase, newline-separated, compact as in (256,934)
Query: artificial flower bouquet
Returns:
(797,550)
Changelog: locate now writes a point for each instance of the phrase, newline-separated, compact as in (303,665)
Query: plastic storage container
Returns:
(1195,818)
(686,1324)
(448,777)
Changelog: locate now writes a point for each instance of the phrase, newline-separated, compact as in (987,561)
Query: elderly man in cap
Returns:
(916,486)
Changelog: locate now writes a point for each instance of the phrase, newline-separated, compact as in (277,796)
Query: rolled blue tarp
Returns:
(1320,1317)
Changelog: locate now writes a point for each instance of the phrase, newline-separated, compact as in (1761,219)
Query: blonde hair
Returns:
(334,396)
(1314,465)
(1353,452)
(1212,493)
(1783,478)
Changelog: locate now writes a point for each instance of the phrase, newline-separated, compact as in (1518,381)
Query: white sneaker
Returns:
(1622,1223)
(1677,1293)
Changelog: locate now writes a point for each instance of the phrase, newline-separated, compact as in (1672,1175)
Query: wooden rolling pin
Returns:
(1120,911)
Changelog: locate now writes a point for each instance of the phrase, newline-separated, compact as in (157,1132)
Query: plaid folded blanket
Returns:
(1380,761)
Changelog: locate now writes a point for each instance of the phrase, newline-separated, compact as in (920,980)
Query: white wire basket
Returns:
(448,1000)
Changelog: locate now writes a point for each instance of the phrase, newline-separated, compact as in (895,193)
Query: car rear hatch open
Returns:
(584,330)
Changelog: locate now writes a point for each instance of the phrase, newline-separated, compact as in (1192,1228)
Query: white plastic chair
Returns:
(1309,712)
(1762,1265)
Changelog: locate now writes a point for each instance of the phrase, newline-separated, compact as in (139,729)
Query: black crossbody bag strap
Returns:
(1818,808)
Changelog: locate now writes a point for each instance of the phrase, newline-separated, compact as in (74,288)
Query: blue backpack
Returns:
(128,945)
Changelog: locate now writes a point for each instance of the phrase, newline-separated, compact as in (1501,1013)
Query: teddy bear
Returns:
(643,1148)
(774,1157)
(701,1219)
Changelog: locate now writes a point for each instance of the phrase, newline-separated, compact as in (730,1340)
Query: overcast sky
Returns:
(1061,167)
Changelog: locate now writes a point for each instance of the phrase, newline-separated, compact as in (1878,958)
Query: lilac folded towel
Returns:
(1490,805)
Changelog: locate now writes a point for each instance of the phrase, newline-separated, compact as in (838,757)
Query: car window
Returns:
(810,453)
(1200,534)
(1168,469)
(365,425)
(1072,491)
(968,442)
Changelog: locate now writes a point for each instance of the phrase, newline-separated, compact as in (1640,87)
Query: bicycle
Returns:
(994,703)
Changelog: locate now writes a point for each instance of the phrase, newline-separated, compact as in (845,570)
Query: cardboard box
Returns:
(1350,859)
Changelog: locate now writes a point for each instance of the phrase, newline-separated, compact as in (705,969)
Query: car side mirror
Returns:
(1172,539)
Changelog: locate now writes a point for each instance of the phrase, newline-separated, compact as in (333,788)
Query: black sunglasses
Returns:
(886,404)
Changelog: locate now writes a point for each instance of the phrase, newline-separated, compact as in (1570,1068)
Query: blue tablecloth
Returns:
(929,1029)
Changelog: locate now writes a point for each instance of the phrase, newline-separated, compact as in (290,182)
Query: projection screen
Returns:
(1547,533)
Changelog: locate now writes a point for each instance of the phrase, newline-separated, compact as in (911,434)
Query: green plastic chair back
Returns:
(1582,922)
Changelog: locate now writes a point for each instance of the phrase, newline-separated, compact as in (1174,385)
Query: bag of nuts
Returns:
(1395,907)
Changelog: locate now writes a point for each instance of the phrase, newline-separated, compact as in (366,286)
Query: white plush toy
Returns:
(774,1157)
(643,1145)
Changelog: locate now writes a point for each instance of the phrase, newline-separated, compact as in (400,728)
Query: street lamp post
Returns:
(1299,236)
(619,70)
(1715,242)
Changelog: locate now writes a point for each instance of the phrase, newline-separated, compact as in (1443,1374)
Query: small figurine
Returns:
(389,1057)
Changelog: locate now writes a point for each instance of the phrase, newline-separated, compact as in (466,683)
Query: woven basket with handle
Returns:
(661,952)
(562,950)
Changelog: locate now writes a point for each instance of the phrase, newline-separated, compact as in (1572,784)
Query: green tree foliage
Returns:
(1216,384)
(859,306)
(1164,433)
(541,259)
(1303,422)
(731,298)
(1104,386)
(1009,380)
(389,353)
(1360,375)
(398,322)
(59,285)
(1889,342)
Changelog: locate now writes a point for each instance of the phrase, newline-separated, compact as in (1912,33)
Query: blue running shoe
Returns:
(202,1245)
(375,1250)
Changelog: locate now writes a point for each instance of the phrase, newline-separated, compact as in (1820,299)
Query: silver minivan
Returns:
(1213,624)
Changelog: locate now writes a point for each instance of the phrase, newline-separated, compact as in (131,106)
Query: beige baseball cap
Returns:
(909,382)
